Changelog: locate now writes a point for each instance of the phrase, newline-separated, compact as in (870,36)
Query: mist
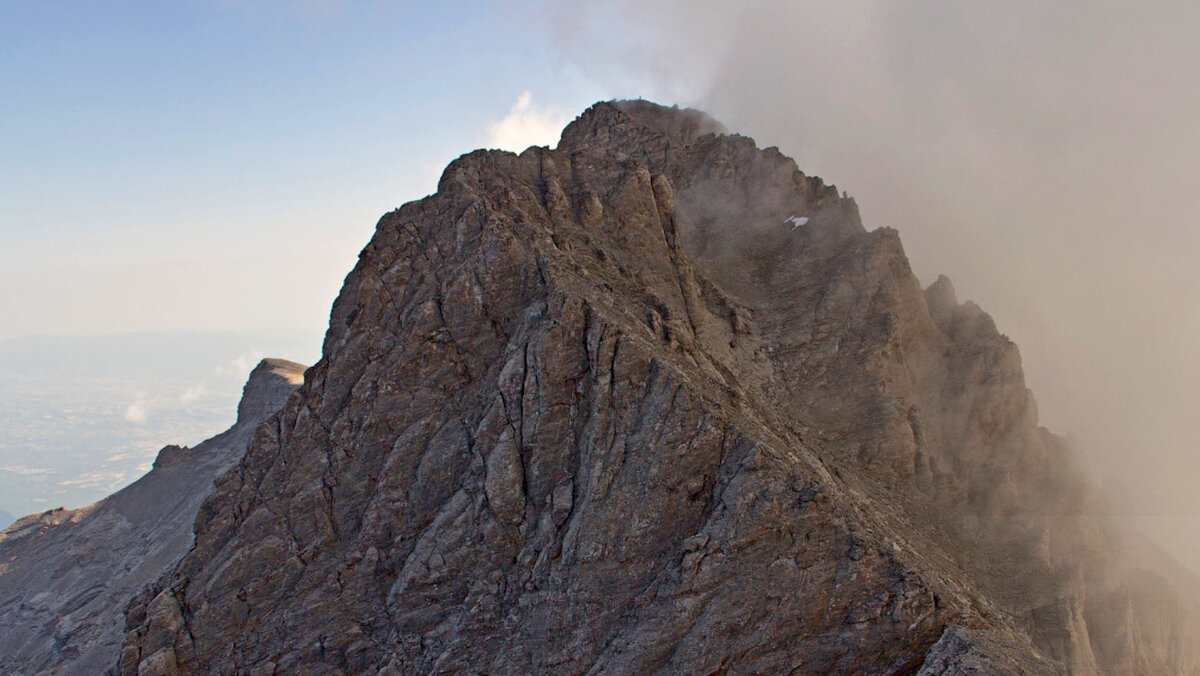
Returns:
(1044,156)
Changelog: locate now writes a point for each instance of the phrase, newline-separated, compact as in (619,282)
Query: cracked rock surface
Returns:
(608,408)
(67,575)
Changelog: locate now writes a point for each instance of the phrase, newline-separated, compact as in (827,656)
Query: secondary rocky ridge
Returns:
(67,575)
(653,401)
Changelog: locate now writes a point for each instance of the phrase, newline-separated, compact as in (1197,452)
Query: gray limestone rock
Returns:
(956,654)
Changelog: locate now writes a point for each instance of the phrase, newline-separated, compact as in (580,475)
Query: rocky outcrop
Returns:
(652,401)
(67,575)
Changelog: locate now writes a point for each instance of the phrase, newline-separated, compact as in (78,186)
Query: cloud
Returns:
(109,480)
(1045,156)
(136,413)
(193,393)
(23,470)
(240,366)
(527,124)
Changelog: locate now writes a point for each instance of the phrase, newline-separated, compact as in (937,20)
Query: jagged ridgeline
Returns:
(654,401)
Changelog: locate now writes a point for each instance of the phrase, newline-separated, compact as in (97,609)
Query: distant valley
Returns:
(83,416)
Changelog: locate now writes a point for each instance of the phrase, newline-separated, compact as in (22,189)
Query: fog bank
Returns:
(1045,157)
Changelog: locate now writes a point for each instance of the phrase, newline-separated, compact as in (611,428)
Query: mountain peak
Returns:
(616,119)
(270,379)
(653,401)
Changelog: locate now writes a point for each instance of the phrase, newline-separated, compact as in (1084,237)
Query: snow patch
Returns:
(796,221)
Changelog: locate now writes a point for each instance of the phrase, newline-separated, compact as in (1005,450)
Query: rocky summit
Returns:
(67,575)
(655,401)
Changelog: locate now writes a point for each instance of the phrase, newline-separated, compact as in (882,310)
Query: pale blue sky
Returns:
(219,164)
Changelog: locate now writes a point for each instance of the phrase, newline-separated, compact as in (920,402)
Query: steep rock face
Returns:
(651,401)
(67,575)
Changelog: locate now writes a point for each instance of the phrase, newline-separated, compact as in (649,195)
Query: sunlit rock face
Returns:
(67,575)
(653,401)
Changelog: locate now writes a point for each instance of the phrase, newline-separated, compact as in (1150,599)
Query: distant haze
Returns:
(218,165)
(1046,156)
(82,416)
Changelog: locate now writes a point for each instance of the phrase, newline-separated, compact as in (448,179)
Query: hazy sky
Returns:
(219,164)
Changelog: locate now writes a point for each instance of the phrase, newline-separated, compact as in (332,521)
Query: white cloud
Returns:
(193,393)
(240,367)
(136,412)
(105,480)
(26,471)
(527,124)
